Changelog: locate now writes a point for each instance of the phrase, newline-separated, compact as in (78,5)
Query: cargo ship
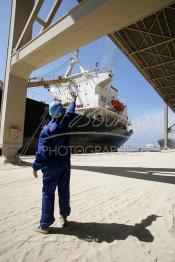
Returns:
(171,138)
(100,121)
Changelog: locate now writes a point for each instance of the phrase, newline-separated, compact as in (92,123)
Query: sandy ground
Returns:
(123,209)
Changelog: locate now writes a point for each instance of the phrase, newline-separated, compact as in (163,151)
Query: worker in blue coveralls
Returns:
(53,159)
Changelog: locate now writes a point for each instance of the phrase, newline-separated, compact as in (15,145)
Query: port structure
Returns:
(82,24)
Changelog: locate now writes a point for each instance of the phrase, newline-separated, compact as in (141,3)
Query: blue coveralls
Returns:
(53,158)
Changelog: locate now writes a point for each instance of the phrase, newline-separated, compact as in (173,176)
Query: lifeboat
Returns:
(117,105)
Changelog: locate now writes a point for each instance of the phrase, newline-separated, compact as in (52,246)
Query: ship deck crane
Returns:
(46,83)
(40,81)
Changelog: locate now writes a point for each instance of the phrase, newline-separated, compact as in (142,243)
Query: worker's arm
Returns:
(69,111)
(42,151)
(71,108)
(72,105)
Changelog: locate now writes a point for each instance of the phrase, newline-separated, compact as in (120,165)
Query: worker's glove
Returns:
(35,174)
(74,96)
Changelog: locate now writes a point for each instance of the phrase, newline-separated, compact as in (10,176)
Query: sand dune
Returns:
(123,209)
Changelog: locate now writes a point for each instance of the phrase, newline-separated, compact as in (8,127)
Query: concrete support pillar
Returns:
(12,118)
(165,126)
(14,94)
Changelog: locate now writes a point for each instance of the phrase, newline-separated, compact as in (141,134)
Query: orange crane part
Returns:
(46,83)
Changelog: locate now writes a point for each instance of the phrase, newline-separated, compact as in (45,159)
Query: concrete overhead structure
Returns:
(86,22)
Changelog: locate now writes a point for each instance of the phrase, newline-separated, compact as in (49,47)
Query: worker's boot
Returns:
(42,230)
(63,221)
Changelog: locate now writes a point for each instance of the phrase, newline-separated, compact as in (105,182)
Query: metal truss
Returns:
(159,64)
(158,78)
(167,86)
(145,32)
(150,45)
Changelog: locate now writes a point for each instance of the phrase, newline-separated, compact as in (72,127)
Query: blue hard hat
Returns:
(56,109)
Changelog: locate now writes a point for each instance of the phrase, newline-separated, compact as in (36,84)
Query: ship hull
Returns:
(89,136)
(170,143)
(170,140)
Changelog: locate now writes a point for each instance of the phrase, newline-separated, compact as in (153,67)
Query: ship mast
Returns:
(75,60)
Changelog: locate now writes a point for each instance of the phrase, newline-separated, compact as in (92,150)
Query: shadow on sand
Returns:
(24,163)
(151,174)
(107,232)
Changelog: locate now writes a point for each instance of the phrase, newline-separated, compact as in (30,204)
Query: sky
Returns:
(145,106)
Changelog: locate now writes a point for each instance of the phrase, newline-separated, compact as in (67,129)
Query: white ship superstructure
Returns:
(96,97)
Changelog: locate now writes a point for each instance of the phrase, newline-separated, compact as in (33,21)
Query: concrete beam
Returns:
(86,22)
(28,26)
(51,15)
(40,21)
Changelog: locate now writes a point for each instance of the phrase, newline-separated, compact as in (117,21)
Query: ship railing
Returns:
(100,70)
(91,72)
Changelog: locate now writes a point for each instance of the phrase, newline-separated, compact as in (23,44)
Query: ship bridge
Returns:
(143,30)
